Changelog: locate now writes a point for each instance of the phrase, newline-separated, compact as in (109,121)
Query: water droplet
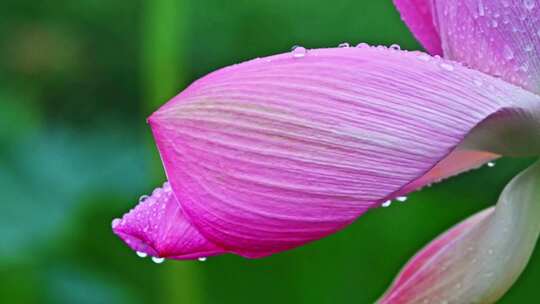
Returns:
(166,186)
(401,198)
(481,8)
(387,203)
(508,53)
(158,260)
(491,164)
(424,57)
(529,4)
(202,259)
(141,254)
(447,66)
(115,223)
(395,47)
(143,198)
(344,45)
(298,51)
(362,45)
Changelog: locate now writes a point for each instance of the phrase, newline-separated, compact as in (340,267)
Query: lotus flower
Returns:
(273,153)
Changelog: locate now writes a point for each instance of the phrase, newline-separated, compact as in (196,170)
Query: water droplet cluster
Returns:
(496,37)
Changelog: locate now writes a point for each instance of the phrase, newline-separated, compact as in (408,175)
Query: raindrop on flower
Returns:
(362,45)
(481,8)
(143,198)
(344,45)
(141,254)
(401,198)
(491,164)
(447,66)
(158,260)
(115,223)
(202,259)
(387,203)
(298,51)
(424,57)
(508,53)
(395,47)
(529,4)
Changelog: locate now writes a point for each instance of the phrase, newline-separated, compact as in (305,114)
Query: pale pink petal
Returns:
(270,154)
(479,259)
(417,15)
(157,227)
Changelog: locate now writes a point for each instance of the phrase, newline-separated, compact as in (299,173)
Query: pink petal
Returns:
(157,227)
(501,38)
(270,154)
(417,15)
(478,260)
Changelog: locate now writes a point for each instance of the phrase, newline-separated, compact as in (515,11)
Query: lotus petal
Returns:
(478,260)
(270,154)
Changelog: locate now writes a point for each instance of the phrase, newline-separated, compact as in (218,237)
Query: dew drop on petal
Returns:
(141,254)
(115,223)
(298,51)
(158,260)
(395,47)
(508,53)
(481,8)
(401,198)
(344,45)
(529,4)
(143,198)
(362,45)
(491,164)
(424,57)
(387,203)
(447,66)
(202,259)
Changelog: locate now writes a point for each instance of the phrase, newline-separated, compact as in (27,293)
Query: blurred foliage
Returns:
(78,78)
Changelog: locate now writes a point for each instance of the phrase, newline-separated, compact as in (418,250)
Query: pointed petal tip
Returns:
(157,227)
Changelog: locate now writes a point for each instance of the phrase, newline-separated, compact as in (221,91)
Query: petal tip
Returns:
(157,227)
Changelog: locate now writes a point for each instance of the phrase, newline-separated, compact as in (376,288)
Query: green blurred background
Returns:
(78,78)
